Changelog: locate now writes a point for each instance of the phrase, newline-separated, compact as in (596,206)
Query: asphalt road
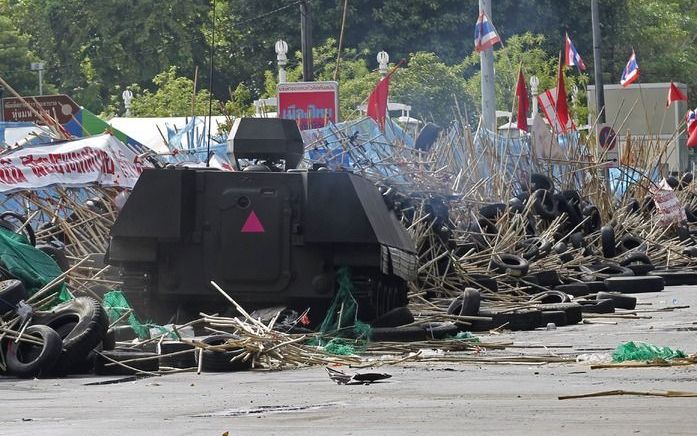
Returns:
(420,398)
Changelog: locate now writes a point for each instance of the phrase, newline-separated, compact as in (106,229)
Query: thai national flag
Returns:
(631,71)
(485,35)
(691,119)
(572,56)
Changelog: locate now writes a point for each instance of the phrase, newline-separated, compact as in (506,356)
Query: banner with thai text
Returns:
(101,160)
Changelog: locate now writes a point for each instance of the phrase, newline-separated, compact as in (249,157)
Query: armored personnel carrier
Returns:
(268,233)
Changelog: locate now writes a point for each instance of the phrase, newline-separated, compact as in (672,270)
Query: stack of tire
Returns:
(60,342)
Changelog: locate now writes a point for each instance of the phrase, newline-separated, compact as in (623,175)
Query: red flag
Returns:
(377,102)
(674,94)
(561,107)
(523,102)
(692,139)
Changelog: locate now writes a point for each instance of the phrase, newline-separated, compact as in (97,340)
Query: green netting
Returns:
(341,318)
(33,267)
(465,336)
(116,305)
(643,351)
(340,347)
(342,312)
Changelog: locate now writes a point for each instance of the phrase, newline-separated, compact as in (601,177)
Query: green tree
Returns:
(15,58)
(174,97)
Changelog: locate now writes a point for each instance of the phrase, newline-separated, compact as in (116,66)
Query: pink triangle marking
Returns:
(252,225)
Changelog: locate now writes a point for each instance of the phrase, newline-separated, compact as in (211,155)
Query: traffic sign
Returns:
(607,138)
(61,107)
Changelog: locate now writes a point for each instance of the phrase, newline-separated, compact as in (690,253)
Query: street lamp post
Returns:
(534,83)
(383,59)
(39,66)
(282,60)
(127,96)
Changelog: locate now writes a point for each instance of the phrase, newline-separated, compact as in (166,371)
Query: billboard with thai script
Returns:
(311,104)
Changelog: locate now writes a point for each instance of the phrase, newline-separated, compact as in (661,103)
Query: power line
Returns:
(266,14)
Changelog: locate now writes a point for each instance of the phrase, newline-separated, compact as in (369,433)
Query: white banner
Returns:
(101,160)
(669,208)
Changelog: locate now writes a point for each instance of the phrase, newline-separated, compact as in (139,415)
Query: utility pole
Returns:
(306,40)
(487,68)
(597,63)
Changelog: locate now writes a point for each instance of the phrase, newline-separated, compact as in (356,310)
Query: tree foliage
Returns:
(93,49)
(174,97)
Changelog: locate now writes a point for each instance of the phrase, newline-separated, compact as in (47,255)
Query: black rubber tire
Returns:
(690,215)
(595,286)
(597,306)
(535,248)
(398,334)
(556,317)
(89,324)
(607,269)
(27,360)
(550,297)
(690,251)
(594,221)
(183,360)
(672,181)
(394,318)
(440,330)
(573,215)
(572,311)
(676,277)
(120,355)
(621,301)
(466,304)
(57,254)
(109,341)
(607,241)
(683,232)
(640,269)
(526,319)
(516,205)
(482,281)
(11,293)
(541,181)
(574,289)
(573,197)
(630,242)
(547,278)
(685,180)
(544,204)
(633,258)
(510,264)
(635,285)
(492,211)
(563,251)
(28,230)
(221,361)
(577,240)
